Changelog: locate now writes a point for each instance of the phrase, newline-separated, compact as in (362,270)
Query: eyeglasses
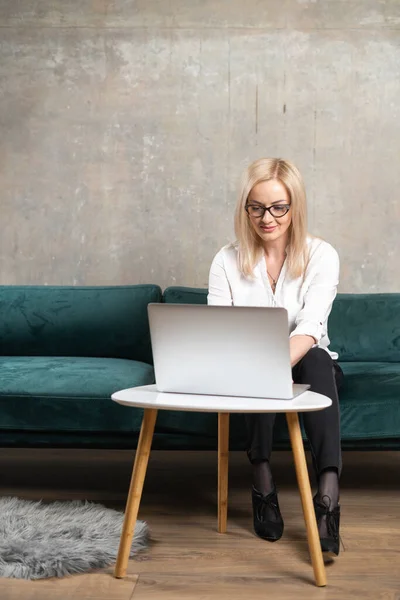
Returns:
(276,210)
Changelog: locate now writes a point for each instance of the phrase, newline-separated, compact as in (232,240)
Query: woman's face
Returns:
(269,194)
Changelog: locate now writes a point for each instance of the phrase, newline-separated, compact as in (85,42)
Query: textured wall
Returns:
(124,127)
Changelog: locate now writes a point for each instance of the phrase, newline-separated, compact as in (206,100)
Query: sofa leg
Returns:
(223,458)
(135,490)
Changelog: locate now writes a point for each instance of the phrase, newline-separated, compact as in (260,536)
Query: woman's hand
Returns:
(299,346)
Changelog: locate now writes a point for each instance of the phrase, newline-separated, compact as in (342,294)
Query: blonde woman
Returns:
(275,262)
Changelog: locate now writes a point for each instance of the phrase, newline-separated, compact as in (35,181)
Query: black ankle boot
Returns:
(263,508)
(330,543)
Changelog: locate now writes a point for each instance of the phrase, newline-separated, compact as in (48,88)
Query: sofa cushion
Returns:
(68,394)
(106,322)
(370,400)
(369,406)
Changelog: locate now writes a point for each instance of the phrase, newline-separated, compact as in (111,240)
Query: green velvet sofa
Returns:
(65,350)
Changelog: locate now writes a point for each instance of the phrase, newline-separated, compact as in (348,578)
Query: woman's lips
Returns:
(268,229)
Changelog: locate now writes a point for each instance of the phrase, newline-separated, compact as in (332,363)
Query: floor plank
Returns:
(90,586)
(187,558)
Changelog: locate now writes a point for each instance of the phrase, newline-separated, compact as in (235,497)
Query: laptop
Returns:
(222,351)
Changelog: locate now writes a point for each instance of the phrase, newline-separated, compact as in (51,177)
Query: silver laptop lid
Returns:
(221,350)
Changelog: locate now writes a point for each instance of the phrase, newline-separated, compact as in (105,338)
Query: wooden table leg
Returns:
(135,490)
(223,458)
(306,498)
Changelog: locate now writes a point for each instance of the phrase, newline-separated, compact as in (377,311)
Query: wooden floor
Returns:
(188,559)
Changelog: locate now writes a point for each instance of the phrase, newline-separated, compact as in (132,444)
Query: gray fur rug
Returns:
(39,540)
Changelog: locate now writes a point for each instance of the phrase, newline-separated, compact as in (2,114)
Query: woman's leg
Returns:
(323,432)
(267,518)
(322,427)
(259,447)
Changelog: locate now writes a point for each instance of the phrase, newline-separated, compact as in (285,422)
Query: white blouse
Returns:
(307,299)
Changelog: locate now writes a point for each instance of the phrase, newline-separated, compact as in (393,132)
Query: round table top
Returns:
(148,397)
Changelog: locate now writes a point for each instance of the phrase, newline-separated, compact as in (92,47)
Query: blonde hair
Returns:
(248,243)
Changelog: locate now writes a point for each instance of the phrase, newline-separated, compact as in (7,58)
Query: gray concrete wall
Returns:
(125,127)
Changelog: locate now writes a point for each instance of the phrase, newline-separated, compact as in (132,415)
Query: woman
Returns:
(276,263)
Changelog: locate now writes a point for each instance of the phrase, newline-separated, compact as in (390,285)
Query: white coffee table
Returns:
(152,401)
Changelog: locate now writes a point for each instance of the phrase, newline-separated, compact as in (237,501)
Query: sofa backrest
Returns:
(362,327)
(185,295)
(366,327)
(77,321)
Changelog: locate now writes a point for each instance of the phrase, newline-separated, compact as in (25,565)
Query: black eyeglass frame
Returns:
(269,209)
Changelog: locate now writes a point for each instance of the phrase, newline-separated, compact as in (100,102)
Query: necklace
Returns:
(274,281)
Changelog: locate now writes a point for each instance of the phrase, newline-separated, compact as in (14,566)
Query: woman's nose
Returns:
(268,218)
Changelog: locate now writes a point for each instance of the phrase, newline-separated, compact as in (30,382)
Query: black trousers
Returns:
(322,427)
